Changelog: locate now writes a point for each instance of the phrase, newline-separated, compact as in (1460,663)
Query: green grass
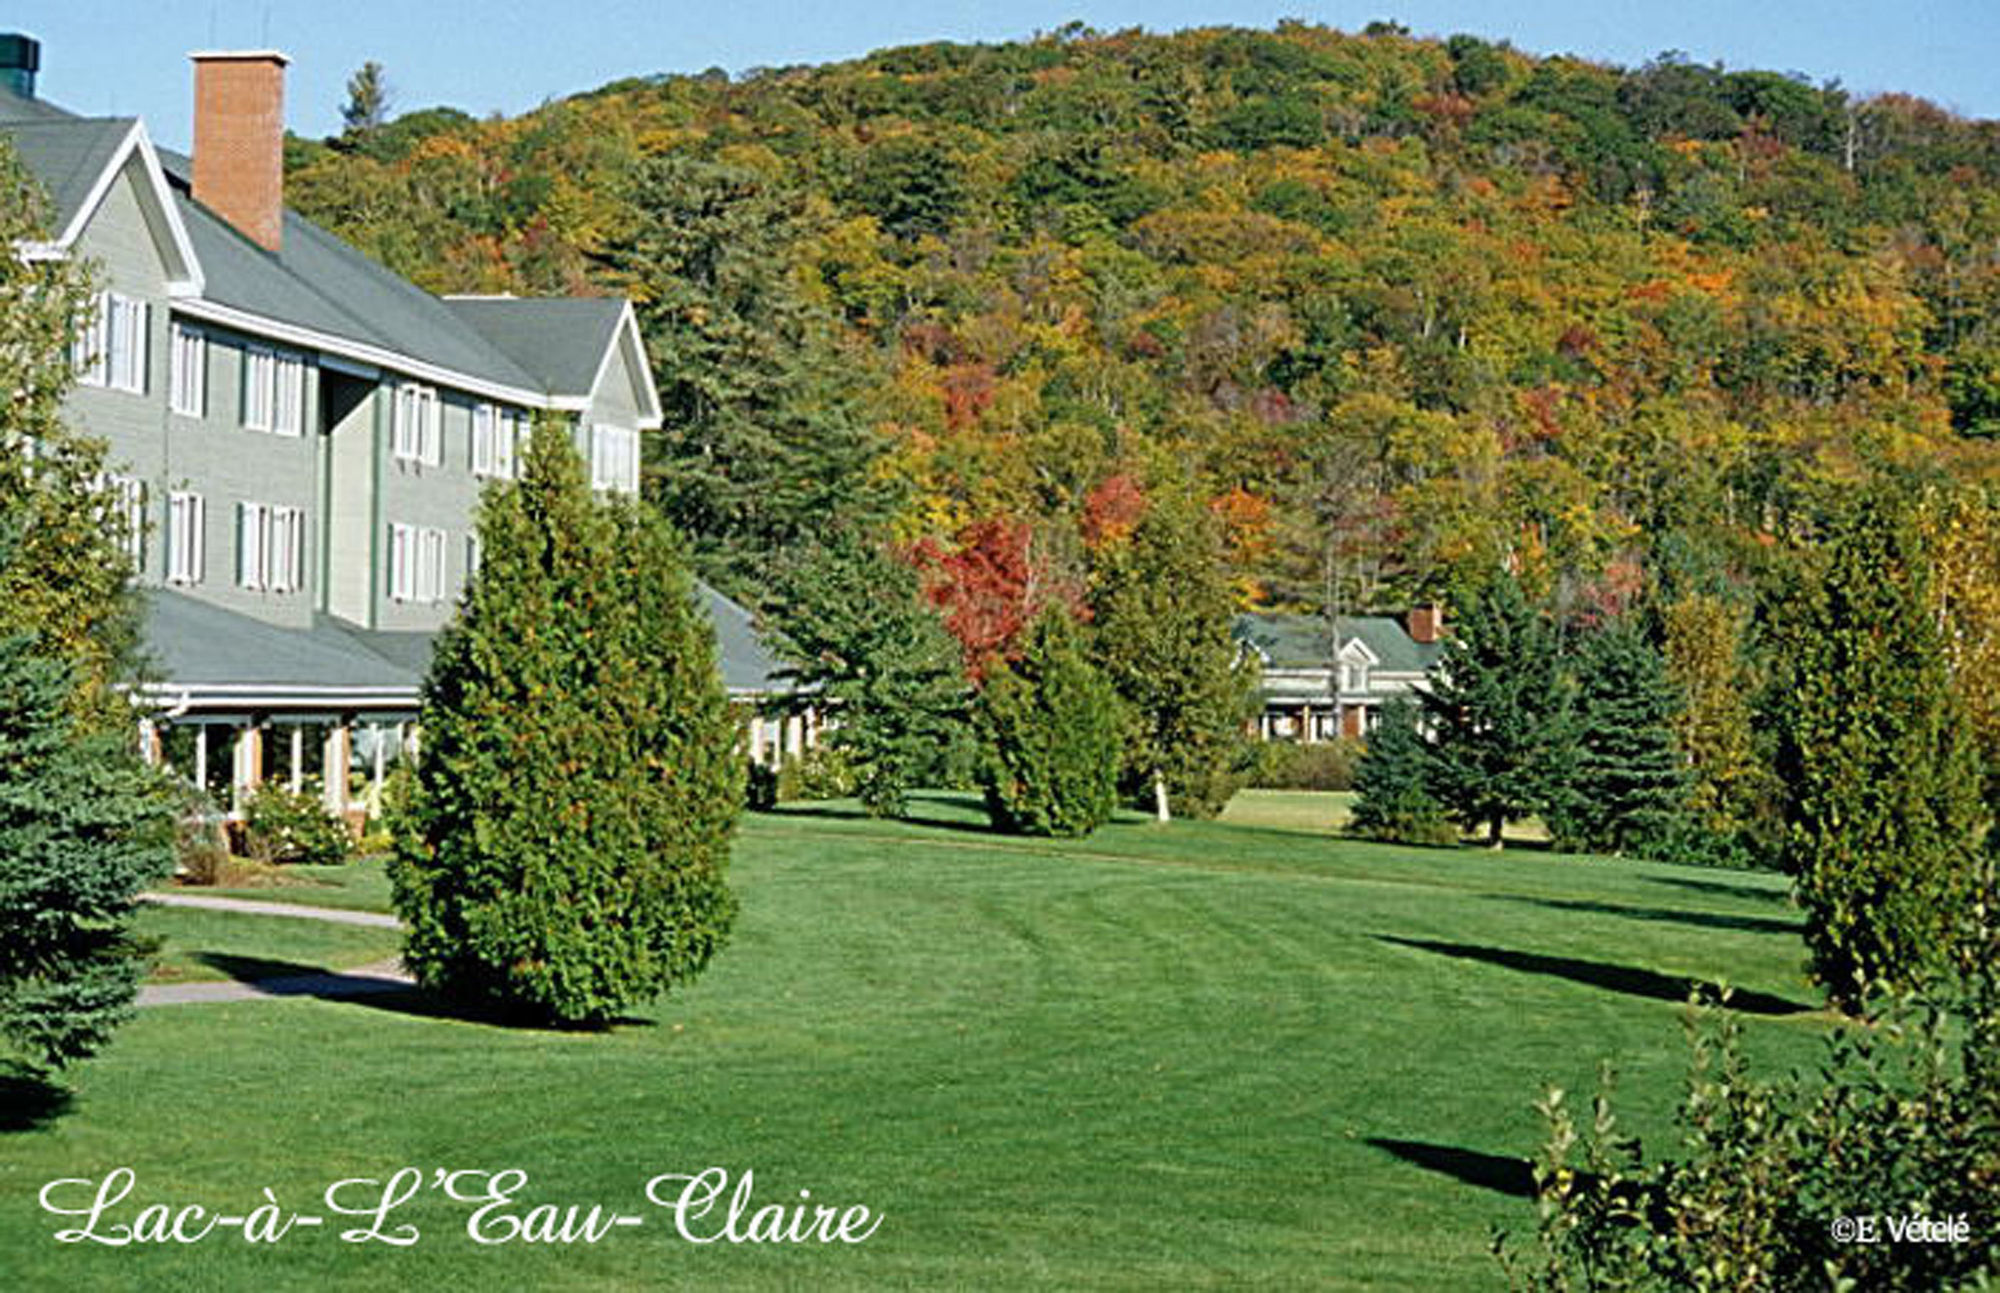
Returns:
(196,945)
(361,885)
(1200,1056)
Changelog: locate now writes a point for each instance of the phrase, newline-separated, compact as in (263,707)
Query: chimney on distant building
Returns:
(20,59)
(239,140)
(1426,623)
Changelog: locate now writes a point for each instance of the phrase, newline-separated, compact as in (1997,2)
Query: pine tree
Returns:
(84,827)
(1162,607)
(1883,812)
(1392,783)
(855,624)
(1627,790)
(1049,727)
(562,854)
(1499,712)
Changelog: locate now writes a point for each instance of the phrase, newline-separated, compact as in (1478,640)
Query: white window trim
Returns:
(187,539)
(416,563)
(274,390)
(110,351)
(416,427)
(614,458)
(188,370)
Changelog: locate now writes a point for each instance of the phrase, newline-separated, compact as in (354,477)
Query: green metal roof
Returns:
(1306,641)
(560,341)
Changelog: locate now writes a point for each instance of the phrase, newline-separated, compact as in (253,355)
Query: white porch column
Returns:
(201,757)
(333,760)
(298,757)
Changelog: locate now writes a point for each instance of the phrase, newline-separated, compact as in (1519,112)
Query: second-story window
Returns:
(274,390)
(416,563)
(125,507)
(496,434)
(188,375)
(614,458)
(415,434)
(270,547)
(187,549)
(111,351)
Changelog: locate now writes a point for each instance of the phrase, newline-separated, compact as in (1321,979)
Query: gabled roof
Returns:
(1306,641)
(748,666)
(566,343)
(68,155)
(76,160)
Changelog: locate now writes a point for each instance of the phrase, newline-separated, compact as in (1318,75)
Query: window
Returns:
(111,349)
(188,371)
(125,505)
(270,547)
(414,433)
(496,435)
(472,555)
(274,390)
(614,458)
(416,563)
(187,548)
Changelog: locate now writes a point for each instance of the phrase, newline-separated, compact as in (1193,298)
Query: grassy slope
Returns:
(195,945)
(1205,1055)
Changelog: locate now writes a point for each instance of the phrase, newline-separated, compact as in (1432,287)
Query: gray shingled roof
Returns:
(560,341)
(67,156)
(194,644)
(1303,642)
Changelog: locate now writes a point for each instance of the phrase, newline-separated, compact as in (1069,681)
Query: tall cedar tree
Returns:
(563,849)
(1163,606)
(1499,712)
(83,827)
(855,624)
(1049,729)
(1883,812)
(1628,789)
(1392,783)
(765,447)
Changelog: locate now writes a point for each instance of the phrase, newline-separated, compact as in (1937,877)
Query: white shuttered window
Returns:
(186,546)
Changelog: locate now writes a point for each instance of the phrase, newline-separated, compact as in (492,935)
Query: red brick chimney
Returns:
(239,140)
(1426,622)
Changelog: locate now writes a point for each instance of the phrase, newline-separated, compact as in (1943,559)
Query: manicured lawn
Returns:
(1200,1056)
(362,885)
(199,945)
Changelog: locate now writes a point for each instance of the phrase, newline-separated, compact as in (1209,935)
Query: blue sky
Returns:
(506,55)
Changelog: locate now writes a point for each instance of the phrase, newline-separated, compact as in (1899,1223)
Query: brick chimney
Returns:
(239,140)
(1426,622)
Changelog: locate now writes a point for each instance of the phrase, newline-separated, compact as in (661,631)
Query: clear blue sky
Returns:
(485,56)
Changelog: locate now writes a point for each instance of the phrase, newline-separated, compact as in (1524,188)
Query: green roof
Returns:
(1306,641)
(560,341)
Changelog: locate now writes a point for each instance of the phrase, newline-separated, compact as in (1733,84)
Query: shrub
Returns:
(288,828)
(1050,728)
(1321,765)
(561,852)
(822,772)
(1393,781)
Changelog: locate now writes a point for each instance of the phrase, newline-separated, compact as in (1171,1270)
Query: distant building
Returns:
(298,437)
(1325,679)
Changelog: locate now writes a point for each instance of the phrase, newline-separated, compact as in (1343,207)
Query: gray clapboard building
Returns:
(297,436)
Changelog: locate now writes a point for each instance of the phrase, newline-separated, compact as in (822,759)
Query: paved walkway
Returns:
(251,907)
(382,976)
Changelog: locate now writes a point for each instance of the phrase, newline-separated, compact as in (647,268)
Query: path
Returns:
(382,976)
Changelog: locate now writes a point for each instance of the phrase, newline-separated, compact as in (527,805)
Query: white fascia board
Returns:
(1356,649)
(197,695)
(626,337)
(360,352)
(184,278)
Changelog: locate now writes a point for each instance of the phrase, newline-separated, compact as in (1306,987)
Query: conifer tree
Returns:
(1627,792)
(855,624)
(562,854)
(1392,783)
(84,827)
(1883,812)
(1162,606)
(1499,712)
(1049,727)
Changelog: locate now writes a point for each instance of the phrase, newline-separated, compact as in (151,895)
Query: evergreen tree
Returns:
(563,849)
(1049,724)
(855,624)
(1392,783)
(367,105)
(1162,606)
(1499,712)
(1883,818)
(1627,790)
(84,827)
(765,448)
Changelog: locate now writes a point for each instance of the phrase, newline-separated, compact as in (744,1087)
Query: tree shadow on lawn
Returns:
(28,1100)
(290,979)
(1514,1177)
(1600,974)
(1705,919)
(941,811)
(1782,896)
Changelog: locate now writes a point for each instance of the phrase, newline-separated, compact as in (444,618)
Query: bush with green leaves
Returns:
(1307,765)
(287,827)
(1049,726)
(1392,782)
(562,849)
